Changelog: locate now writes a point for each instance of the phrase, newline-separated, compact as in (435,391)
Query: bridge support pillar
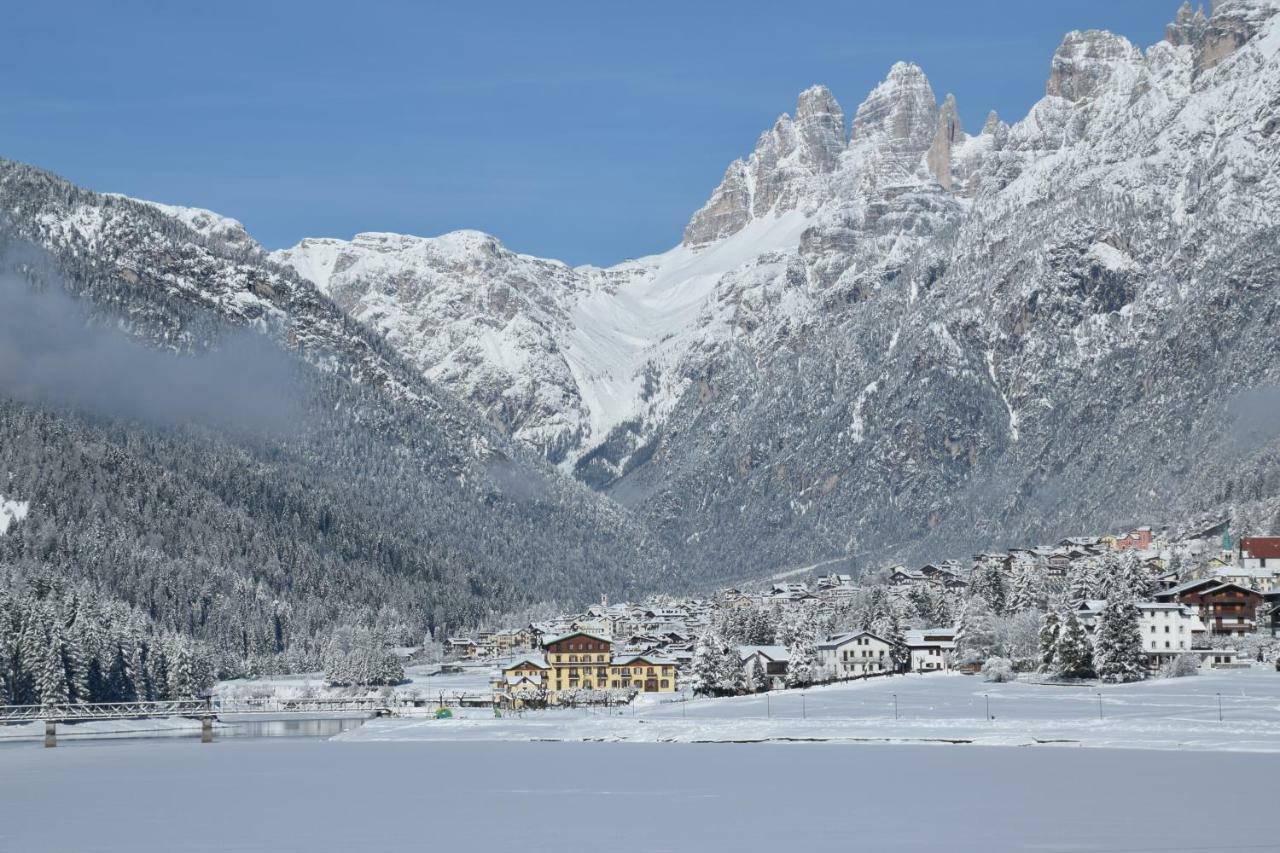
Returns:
(50,734)
(206,729)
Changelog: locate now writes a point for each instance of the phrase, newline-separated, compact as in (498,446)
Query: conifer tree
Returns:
(1118,650)
(732,678)
(1082,580)
(1049,629)
(757,682)
(802,660)
(51,678)
(1028,590)
(976,638)
(1075,652)
(707,663)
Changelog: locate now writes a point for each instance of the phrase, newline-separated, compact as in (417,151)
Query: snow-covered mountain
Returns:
(201,433)
(904,332)
(903,337)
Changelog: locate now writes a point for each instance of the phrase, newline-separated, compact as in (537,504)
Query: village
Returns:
(1111,607)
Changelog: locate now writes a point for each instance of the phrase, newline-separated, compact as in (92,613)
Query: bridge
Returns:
(205,710)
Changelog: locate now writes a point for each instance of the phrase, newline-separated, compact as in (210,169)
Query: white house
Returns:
(855,653)
(1168,629)
(930,648)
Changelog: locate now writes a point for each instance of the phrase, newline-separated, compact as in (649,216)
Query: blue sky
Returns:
(586,131)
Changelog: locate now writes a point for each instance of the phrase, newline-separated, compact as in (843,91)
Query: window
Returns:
(666,683)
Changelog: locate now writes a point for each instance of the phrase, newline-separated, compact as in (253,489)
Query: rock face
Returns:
(780,174)
(469,314)
(949,134)
(1086,62)
(909,340)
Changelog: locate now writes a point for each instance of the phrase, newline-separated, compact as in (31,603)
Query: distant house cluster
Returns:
(1197,598)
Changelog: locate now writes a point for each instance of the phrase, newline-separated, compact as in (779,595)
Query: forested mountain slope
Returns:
(203,435)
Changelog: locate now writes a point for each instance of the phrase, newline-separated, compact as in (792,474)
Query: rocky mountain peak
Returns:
(993,124)
(1232,23)
(820,124)
(779,172)
(901,109)
(1086,61)
(1188,26)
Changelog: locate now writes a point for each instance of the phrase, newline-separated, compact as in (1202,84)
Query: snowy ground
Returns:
(1159,714)
(323,796)
(419,681)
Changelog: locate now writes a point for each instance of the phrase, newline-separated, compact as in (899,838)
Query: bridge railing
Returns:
(72,712)
(78,712)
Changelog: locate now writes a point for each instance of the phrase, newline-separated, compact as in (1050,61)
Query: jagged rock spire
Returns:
(1188,26)
(949,133)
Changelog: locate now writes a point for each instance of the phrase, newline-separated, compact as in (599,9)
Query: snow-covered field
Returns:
(1159,714)
(419,681)
(323,796)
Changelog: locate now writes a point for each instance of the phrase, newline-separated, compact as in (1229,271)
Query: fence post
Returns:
(50,734)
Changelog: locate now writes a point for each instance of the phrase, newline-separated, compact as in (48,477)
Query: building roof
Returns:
(943,637)
(592,634)
(1260,546)
(534,660)
(1241,572)
(652,660)
(531,678)
(839,640)
(774,653)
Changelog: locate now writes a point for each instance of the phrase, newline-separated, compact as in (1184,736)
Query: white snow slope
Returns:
(11,512)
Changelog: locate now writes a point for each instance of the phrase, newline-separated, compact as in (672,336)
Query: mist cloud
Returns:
(51,354)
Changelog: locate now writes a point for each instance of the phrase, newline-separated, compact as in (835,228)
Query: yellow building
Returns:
(582,660)
(579,661)
(646,673)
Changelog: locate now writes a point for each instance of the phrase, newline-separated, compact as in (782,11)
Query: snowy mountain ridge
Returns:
(901,338)
(561,357)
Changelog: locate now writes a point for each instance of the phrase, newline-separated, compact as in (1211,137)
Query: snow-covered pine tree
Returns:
(802,662)
(1028,589)
(976,638)
(1082,580)
(1075,652)
(1118,648)
(1050,626)
(73,664)
(992,585)
(1136,580)
(181,681)
(757,682)
(707,663)
(8,643)
(51,677)
(731,679)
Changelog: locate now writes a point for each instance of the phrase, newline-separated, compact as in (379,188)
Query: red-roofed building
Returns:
(1140,539)
(1260,549)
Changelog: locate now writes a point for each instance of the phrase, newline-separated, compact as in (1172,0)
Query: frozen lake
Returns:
(321,796)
